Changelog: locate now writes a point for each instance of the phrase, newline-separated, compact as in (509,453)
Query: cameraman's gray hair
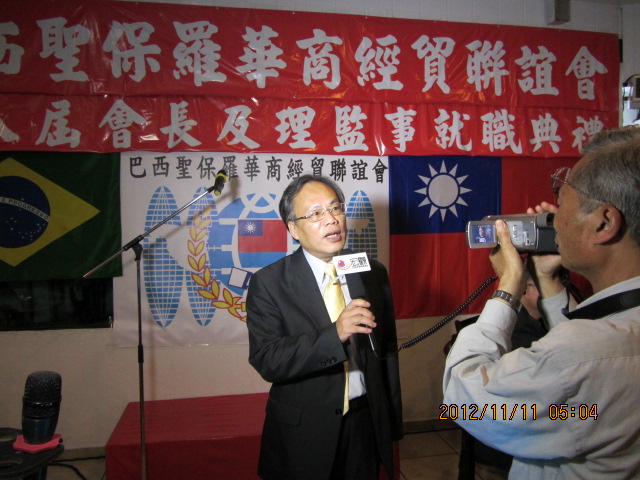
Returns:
(611,137)
(287,212)
(612,173)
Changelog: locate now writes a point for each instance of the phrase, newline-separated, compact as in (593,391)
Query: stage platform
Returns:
(201,438)
(189,438)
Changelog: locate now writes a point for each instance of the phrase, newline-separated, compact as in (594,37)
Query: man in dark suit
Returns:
(294,345)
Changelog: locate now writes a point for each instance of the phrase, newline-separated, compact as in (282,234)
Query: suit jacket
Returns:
(294,345)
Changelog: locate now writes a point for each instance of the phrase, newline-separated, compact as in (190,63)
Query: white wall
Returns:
(99,379)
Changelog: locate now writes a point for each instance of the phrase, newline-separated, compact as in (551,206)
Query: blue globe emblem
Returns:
(230,264)
(163,275)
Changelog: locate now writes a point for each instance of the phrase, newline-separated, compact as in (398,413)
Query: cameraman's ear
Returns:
(611,224)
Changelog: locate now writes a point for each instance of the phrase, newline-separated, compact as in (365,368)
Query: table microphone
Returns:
(41,407)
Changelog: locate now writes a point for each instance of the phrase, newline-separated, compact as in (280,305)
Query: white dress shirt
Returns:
(356,377)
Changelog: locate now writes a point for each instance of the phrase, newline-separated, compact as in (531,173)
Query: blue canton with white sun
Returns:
(440,194)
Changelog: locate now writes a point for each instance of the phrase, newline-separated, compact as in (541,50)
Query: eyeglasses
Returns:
(317,215)
(559,178)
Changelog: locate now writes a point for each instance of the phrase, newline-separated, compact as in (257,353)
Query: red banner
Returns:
(114,76)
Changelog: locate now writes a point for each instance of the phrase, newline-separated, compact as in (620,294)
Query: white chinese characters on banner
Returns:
(195,268)
(195,78)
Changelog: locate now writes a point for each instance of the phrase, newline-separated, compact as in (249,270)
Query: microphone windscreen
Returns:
(42,395)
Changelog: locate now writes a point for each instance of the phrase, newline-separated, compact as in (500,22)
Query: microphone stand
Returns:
(137,248)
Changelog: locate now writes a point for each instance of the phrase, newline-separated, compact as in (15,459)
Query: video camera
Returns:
(529,233)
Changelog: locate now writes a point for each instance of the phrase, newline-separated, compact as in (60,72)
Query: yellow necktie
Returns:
(334,300)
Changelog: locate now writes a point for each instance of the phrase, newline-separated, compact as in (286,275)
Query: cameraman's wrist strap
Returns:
(513,302)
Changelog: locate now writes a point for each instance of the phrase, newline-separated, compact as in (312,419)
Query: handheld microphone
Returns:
(357,290)
(41,407)
(221,178)
(370,336)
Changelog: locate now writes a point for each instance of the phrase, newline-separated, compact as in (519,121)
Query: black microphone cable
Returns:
(451,316)
(442,322)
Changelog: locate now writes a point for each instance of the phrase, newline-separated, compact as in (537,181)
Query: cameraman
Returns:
(567,407)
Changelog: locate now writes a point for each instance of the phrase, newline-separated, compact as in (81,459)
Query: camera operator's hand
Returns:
(544,207)
(545,268)
(507,263)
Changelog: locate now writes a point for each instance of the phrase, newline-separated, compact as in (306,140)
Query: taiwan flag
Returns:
(432,269)
(260,236)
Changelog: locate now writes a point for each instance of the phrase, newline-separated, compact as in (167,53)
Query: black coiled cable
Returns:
(451,316)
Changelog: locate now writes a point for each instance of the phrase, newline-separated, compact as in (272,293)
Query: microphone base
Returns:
(20,465)
(22,446)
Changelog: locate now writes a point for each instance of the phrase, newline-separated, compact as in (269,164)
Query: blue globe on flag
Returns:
(24,212)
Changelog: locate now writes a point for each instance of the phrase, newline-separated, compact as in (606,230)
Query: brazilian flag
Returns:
(59,215)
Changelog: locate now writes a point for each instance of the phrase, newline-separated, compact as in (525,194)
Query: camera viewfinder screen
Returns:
(483,233)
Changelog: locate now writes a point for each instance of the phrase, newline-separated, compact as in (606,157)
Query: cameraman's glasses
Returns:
(560,177)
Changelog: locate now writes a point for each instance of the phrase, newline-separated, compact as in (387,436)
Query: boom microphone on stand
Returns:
(135,244)
(221,179)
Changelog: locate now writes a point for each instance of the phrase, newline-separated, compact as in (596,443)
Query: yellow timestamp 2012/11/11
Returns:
(516,411)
